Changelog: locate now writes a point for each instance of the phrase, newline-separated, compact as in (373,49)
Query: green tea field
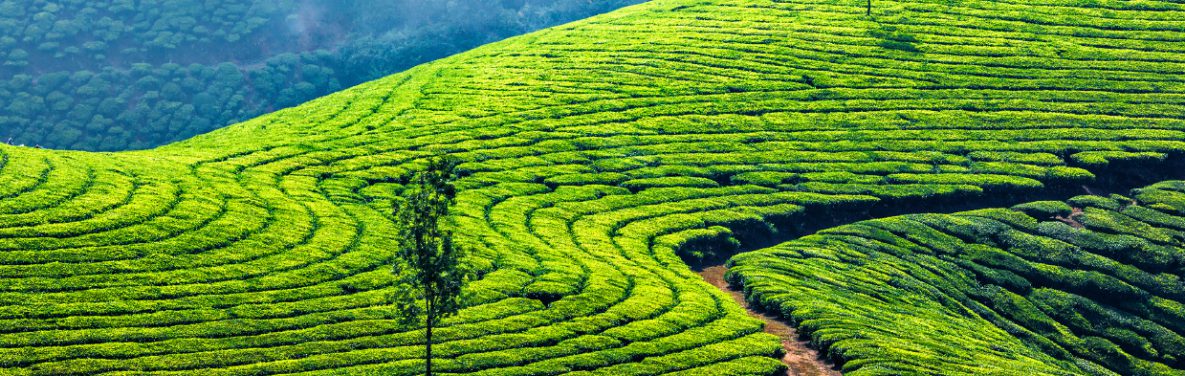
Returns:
(601,158)
(1087,286)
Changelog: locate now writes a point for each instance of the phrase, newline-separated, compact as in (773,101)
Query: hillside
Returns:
(124,75)
(1087,286)
(599,158)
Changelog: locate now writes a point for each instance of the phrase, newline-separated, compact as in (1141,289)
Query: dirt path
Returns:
(802,360)
(1072,218)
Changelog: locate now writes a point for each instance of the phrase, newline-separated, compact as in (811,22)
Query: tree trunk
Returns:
(428,336)
(428,357)
(869,11)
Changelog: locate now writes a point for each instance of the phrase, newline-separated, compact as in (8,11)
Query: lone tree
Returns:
(427,264)
(868,11)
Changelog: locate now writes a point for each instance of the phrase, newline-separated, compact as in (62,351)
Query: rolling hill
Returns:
(1087,286)
(600,158)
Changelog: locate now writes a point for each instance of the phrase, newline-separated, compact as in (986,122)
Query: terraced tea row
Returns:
(595,155)
(1087,286)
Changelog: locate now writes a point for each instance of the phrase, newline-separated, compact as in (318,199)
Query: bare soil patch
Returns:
(800,358)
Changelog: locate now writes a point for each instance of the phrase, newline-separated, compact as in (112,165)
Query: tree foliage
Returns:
(428,264)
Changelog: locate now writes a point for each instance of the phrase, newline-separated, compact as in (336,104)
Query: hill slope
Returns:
(1087,286)
(595,153)
(132,75)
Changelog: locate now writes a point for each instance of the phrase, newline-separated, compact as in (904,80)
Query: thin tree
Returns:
(868,12)
(428,264)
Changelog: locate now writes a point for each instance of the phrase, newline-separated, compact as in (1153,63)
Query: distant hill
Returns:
(603,157)
(121,75)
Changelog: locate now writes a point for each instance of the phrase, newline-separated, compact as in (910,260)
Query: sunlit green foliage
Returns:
(596,154)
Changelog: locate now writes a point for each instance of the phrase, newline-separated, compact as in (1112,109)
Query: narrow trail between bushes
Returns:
(799,357)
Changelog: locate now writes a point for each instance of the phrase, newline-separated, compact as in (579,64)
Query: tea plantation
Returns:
(601,157)
(1087,286)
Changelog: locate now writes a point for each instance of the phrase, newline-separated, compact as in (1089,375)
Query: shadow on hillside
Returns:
(1118,177)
